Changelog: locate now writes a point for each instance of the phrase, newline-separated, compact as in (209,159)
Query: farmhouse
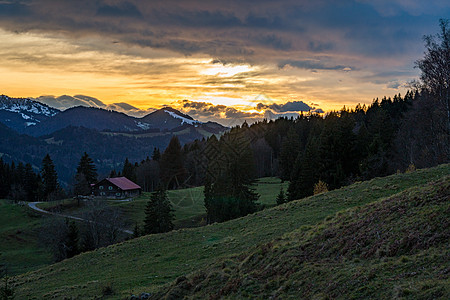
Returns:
(118,187)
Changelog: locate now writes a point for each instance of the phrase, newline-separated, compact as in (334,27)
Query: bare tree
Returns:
(54,236)
(103,225)
(435,79)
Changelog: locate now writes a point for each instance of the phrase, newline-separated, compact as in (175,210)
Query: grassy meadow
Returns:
(148,263)
(19,230)
(188,204)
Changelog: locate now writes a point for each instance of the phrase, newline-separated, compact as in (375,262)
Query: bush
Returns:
(411,168)
(107,290)
(6,291)
(320,187)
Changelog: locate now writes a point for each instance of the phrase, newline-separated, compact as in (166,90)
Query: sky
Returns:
(213,59)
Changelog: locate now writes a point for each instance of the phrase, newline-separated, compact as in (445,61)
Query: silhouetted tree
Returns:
(281,198)
(87,167)
(49,176)
(156,154)
(228,190)
(158,213)
(172,170)
(128,170)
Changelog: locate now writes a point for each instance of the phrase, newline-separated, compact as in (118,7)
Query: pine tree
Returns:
(49,176)
(128,170)
(87,167)
(281,198)
(72,239)
(156,154)
(82,186)
(158,213)
(305,172)
(172,170)
(289,151)
(228,189)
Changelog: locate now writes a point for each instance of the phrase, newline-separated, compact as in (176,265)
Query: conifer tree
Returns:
(281,198)
(72,239)
(172,170)
(49,176)
(156,154)
(228,190)
(158,213)
(289,151)
(87,167)
(128,170)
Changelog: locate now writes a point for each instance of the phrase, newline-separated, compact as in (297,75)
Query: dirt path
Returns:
(33,205)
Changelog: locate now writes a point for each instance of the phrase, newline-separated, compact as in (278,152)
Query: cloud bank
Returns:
(64,102)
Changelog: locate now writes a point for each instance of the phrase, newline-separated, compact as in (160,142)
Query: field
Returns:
(147,263)
(19,230)
(19,225)
(188,204)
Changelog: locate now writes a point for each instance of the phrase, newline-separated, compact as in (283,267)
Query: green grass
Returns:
(188,204)
(393,248)
(19,230)
(149,262)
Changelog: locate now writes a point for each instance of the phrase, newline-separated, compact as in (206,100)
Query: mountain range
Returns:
(30,129)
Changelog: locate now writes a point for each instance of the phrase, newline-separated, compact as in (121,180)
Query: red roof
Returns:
(123,183)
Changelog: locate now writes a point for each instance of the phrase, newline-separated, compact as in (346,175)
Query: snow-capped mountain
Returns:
(21,113)
(168,118)
(37,119)
(182,118)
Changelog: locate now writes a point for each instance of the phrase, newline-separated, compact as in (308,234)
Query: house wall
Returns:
(105,189)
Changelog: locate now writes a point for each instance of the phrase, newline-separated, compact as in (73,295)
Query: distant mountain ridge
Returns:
(34,118)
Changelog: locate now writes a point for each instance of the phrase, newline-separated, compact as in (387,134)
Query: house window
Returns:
(102,194)
(101,187)
(110,188)
(117,194)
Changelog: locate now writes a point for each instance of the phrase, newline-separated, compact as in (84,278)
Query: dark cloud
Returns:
(235,28)
(230,116)
(312,65)
(316,46)
(233,113)
(14,8)
(64,102)
(318,111)
(274,41)
(288,106)
(124,9)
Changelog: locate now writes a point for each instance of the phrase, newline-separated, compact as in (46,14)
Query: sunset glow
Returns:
(122,53)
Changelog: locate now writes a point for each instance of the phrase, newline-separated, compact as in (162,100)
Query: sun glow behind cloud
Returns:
(225,70)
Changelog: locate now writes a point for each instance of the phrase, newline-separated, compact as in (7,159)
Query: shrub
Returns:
(411,168)
(320,187)
(107,290)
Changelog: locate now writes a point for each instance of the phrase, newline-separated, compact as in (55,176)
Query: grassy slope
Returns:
(148,262)
(19,249)
(395,247)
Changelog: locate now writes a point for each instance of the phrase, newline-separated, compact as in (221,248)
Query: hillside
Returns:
(147,263)
(88,117)
(19,229)
(395,247)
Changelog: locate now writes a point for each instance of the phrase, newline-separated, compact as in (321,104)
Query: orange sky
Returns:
(327,54)
(32,65)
